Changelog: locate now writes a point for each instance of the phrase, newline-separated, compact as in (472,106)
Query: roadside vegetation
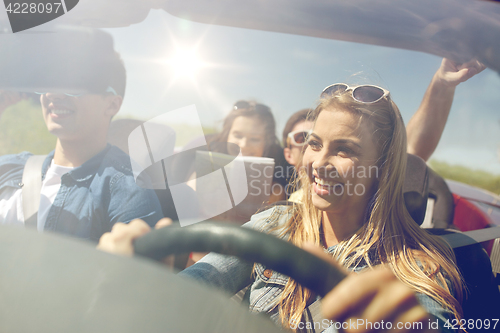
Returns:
(478,178)
(22,129)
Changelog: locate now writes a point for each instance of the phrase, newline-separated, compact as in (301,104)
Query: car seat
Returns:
(482,297)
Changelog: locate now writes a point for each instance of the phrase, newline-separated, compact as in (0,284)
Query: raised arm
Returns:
(427,124)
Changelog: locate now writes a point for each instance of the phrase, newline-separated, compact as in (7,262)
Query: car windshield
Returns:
(173,61)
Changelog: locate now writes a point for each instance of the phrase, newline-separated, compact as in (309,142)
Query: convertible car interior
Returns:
(51,283)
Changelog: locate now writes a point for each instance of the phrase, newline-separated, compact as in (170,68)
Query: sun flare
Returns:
(186,63)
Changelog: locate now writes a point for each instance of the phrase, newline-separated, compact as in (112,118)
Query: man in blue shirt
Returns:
(87,184)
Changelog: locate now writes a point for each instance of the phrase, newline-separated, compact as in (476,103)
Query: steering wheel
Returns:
(307,269)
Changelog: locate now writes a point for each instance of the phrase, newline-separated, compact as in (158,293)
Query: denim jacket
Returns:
(231,274)
(93,196)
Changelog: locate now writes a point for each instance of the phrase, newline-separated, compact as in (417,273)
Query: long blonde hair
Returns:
(418,259)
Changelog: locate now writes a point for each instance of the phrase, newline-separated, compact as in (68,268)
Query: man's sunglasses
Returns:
(298,138)
(247,105)
(108,90)
(366,94)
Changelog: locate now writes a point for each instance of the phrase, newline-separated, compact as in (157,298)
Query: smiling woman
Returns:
(334,159)
(360,229)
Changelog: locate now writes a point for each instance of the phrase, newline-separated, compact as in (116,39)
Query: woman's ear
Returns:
(288,155)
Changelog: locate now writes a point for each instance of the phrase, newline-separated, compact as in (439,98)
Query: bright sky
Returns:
(287,73)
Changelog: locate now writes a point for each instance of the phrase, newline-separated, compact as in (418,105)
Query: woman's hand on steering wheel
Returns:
(372,296)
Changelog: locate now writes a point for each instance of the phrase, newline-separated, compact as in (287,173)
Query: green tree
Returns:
(22,128)
(478,178)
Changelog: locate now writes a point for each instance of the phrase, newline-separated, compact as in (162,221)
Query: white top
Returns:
(11,203)
(11,207)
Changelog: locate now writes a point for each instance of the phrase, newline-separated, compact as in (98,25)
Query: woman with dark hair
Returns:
(250,128)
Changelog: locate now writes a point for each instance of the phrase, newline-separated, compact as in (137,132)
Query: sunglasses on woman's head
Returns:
(247,105)
(365,94)
(299,138)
